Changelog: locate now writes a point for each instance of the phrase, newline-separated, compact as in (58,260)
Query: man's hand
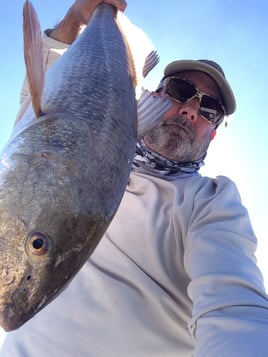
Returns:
(78,15)
(83,9)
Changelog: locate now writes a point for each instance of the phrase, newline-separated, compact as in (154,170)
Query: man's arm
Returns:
(230,306)
(77,16)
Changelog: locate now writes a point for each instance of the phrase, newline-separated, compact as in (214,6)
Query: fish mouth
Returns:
(13,315)
(9,319)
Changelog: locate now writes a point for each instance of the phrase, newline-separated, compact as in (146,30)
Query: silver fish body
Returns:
(62,175)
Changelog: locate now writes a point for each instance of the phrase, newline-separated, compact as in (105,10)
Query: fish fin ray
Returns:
(150,62)
(33,55)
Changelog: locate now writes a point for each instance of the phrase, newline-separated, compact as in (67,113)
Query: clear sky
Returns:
(233,33)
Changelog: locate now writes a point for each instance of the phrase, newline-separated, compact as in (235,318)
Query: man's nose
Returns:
(190,109)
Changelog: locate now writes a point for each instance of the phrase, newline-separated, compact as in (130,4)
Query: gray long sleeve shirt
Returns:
(175,275)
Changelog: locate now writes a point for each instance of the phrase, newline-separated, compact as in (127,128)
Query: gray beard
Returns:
(175,140)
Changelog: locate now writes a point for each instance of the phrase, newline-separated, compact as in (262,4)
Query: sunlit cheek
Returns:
(203,134)
(213,134)
(204,129)
(173,111)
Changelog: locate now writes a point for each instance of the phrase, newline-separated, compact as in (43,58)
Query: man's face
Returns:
(183,135)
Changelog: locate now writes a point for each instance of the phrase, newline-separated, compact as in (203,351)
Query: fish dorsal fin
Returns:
(33,55)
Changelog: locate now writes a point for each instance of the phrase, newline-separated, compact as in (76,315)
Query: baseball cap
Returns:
(211,68)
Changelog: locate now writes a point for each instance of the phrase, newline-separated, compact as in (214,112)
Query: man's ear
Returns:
(213,133)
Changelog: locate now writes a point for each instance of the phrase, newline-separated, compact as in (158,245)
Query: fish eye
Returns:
(38,243)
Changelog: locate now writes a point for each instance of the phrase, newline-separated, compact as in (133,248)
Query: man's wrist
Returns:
(69,28)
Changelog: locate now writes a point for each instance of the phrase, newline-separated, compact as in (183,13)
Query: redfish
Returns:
(66,166)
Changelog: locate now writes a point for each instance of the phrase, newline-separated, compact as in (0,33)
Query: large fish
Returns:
(65,169)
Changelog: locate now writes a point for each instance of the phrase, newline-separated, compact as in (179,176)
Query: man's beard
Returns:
(174,139)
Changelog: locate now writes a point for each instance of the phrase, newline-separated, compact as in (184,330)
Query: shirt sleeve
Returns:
(230,306)
(52,50)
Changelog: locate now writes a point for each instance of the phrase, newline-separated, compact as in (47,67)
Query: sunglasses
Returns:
(182,90)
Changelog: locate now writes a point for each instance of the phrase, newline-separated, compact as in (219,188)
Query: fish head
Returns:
(23,273)
(50,221)
(40,266)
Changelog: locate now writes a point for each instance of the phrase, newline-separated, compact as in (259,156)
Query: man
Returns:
(175,274)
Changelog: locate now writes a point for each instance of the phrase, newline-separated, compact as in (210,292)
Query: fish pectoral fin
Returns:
(33,55)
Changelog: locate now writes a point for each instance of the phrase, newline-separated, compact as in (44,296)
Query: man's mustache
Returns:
(180,122)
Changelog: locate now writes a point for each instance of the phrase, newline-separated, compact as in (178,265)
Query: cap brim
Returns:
(228,98)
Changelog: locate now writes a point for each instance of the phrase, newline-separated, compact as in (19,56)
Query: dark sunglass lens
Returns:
(180,90)
(211,109)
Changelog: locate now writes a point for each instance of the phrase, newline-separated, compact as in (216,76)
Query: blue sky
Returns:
(233,33)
